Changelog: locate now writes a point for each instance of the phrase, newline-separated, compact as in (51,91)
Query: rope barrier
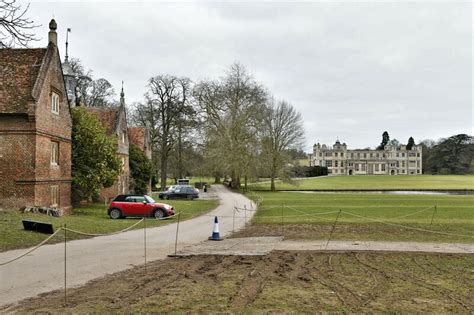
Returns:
(407,227)
(410,214)
(31,250)
(104,234)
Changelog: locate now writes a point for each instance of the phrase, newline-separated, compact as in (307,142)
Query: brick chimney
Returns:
(52,35)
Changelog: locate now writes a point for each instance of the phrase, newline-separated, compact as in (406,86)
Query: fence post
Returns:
(65,265)
(245,209)
(282,220)
(233,223)
(144,238)
(432,217)
(333,227)
(176,239)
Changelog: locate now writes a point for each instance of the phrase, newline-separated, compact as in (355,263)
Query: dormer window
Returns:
(54,103)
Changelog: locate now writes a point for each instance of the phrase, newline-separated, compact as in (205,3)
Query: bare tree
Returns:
(234,109)
(15,27)
(99,93)
(168,99)
(83,80)
(283,131)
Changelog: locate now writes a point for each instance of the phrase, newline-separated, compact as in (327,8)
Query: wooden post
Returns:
(65,265)
(144,238)
(176,239)
(333,227)
(432,217)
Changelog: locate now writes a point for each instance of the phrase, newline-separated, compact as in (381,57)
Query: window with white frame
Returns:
(54,153)
(54,195)
(54,103)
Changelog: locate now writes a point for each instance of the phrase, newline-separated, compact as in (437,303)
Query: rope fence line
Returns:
(407,227)
(80,233)
(31,250)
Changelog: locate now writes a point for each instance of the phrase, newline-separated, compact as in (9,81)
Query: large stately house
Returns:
(392,160)
(35,128)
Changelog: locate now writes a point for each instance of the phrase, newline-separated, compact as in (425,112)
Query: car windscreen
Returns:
(149,199)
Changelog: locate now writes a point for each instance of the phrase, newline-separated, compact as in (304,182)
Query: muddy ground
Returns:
(281,282)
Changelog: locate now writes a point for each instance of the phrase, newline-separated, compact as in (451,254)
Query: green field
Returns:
(90,219)
(365,216)
(367,182)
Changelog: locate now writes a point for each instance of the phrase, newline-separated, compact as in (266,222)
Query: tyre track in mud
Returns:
(411,278)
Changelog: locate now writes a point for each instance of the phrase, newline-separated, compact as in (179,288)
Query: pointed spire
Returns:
(122,97)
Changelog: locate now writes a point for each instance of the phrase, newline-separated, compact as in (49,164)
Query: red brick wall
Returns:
(26,172)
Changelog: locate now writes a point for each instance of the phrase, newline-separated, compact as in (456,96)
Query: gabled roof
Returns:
(108,116)
(19,70)
(136,135)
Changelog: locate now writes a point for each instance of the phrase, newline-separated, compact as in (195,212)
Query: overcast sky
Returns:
(353,69)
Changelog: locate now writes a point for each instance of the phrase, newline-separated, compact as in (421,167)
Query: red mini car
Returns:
(138,206)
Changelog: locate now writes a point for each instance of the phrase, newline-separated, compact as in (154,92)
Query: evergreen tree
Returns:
(140,170)
(95,163)
(411,143)
(385,140)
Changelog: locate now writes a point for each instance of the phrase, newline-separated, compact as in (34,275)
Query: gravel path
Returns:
(43,270)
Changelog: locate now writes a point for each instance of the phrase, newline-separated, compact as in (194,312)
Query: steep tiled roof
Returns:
(108,116)
(136,135)
(19,69)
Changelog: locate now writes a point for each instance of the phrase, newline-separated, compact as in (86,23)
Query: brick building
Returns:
(392,160)
(35,128)
(115,122)
(141,137)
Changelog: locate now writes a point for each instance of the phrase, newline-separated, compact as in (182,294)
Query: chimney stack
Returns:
(52,35)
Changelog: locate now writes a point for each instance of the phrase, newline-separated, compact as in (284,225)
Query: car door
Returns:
(134,206)
(141,206)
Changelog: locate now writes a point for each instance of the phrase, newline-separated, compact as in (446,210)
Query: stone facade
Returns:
(35,128)
(390,161)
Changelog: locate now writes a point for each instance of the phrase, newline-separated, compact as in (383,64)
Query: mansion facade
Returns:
(392,160)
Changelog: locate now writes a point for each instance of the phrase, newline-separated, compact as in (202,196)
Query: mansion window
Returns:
(328,163)
(54,190)
(378,155)
(365,155)
(328,154)
(383,167)
(342,154)
(54,153)
(403,163)
(412,154)
(376,167)
(335,163)
(54,103)
(403,154)
(342,164)
(335,154)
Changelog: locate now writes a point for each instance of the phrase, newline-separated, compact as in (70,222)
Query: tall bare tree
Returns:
(168,98)
(15,27)
(283,131)
(234,108)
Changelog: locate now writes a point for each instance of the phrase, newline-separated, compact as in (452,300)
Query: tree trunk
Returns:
(164,166)
(245,183)
(273,175)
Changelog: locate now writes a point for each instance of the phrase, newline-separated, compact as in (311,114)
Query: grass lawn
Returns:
(368,182)
(90,219)
(454,214)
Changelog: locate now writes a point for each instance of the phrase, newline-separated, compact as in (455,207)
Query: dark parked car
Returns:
(180,192)
(138,206)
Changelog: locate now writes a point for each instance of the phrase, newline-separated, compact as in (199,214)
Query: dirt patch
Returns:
(281,282)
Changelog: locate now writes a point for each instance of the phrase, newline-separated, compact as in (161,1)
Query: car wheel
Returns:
(159,214)
(115,213)
(190,197)
(166,197)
